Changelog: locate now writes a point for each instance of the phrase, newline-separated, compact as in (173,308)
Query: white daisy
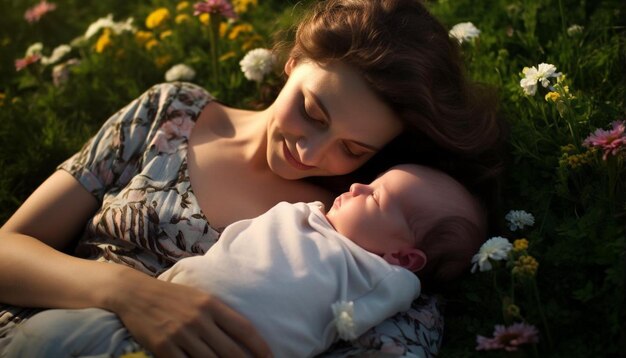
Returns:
(57,54)
(464,31)
(534,75)
(497,248)
(518,219)
(257,63)
(180,72)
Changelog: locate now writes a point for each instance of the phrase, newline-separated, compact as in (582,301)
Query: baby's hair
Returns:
(443,264)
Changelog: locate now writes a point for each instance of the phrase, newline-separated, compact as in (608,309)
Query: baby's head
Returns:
(415,217)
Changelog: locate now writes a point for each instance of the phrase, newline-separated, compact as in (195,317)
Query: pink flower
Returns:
(22,63)
(508,338)
(35,13)
(611,141)
(222,7)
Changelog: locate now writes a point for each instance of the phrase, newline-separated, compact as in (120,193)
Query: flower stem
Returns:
(562,17)
(214,27)
(542,314)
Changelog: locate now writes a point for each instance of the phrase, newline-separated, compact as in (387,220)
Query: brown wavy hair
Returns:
(408,59)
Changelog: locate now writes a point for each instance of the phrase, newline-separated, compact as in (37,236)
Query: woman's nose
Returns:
(357,189)
(312,149)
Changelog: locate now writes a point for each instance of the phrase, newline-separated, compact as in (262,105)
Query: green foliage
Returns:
(577,198)
(577,298)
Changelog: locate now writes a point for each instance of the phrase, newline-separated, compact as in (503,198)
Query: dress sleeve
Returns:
(415,333)
(111,157)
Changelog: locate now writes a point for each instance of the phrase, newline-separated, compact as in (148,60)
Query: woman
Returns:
(368,81)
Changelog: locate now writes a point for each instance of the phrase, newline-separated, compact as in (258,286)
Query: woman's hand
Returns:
(172,320)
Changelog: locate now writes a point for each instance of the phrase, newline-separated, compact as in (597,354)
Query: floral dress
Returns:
(149,217)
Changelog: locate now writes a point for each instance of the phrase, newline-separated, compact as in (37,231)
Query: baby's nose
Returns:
(357,189)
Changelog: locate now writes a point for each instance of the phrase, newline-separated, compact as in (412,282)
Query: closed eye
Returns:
(306,114)
(354,150)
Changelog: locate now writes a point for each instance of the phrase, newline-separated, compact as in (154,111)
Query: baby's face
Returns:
(372,216)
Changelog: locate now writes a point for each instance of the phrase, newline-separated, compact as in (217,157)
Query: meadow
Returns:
(553,278)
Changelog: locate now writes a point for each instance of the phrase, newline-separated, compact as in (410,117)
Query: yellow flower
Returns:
(512,310)
(568,148)
(552,96)
(157,18)
(223,29)
(181,18)
(241,6)
(104,41)
(163,61)
(204,18)
(182,6)
(525,266)
(2,97)
(520,245)
(227,55)
(165,34)
(143,36)
(234,33)
(251,42)
(151,44)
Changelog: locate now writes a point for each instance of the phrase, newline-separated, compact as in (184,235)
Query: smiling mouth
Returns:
(293,161)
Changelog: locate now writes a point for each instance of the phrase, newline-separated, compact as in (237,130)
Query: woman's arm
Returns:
(168,319)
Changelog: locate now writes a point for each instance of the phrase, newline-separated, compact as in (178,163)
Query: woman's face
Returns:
(326,121)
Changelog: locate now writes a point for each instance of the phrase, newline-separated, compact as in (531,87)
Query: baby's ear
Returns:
(411,259)
(289,65)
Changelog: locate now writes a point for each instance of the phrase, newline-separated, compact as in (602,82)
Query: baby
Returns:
(306,278)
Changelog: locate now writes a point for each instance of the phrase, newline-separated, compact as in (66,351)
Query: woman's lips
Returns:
(293,161)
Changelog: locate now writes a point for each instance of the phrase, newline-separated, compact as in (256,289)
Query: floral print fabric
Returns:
(136,166)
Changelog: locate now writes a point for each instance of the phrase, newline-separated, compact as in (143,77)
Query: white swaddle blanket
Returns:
(300,283)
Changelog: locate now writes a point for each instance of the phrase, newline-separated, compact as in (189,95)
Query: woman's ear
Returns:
(289,65)
(411,259)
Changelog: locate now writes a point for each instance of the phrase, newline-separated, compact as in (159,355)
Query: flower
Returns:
(180,72)
(509,338)
(182,6)
(552,96)
(520,245)
(57,54)
(542,74)
(610,141)
(142,37)
(34,49)
(257,63)
(221,7)
(497,248)
(344,312)
(61,72)
(107,22)
(575,30)
(165,34)
(35,13)
(241,6)
(464,31)
(518,219)
(180,18)
(157,18)
(104,41)
(22,63)
(525,265)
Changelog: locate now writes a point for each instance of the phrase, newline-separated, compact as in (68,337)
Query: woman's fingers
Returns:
(240,329)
